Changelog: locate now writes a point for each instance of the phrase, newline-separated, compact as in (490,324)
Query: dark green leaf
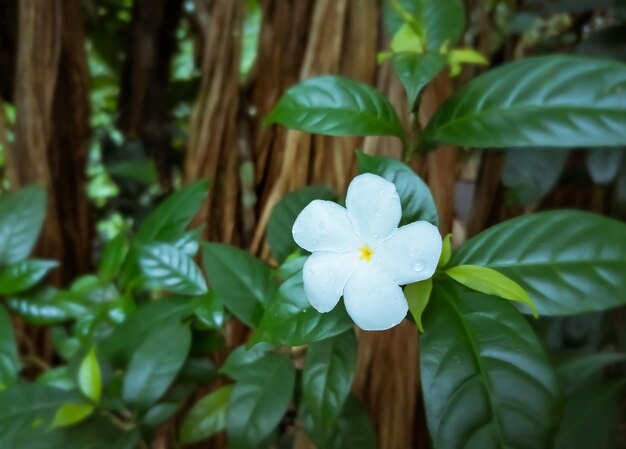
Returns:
(9,360)
(486,380)
(415,71)
(42,308)
(155,364)
(241,282)
(22,275)
(210,312)
(326,379)
(58,377)
(531,173)
(112,258)
(604,163)
(169,268)
(160,413)
(240,359)
(417,201)
(336,106)
(568,261)
(558,101)
(284,215)
(21,217)
(290,319)
(207,416)
(577,370)
(259,400)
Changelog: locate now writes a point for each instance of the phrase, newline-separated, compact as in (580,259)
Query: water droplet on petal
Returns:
(375,236)
(417,266)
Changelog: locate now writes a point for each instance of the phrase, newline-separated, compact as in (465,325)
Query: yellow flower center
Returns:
(366,253)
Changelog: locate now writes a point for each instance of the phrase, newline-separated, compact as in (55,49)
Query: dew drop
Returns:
(418,265)
(375,236)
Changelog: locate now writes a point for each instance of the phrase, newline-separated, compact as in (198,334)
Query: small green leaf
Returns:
(417,201)
(22,275)
(58,377)
(70,414)
(326,379)
(417,296)
(336,106)
(407,40)
(416,71)
(206,417)
(112,258)
(284,215)
(160,413)
(446,251)
(491,282)
(171,269)
(241,358)
(41,308)
(241,282)
(9,360)
(89,377)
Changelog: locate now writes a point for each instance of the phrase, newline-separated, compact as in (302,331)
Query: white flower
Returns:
(359,252)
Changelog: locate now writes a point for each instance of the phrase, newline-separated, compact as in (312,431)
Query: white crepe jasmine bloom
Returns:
(359,252)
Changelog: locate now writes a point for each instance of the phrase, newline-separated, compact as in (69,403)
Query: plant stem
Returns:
(415,136)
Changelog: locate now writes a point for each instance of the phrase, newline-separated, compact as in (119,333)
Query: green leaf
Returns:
(240,359)
(491,282)
(168,220)
(562,101)
(171,269)
(486,379)
(575,371)
(58,377)
(156,363)
(206,417)
(22,275)
(160,413)
(189,243)
(241,282)
(531,173)
(604,163)
(70,414)
(259,400)
(326,379)
(336,106)
(9,360)
(21,217)
(112,258)
(446,251)
(417,201)
(41,308)
(284,215)
(568,261)
(290,319)
(415,71)
(210,312)
(418,296)
(89,377)
(591,417)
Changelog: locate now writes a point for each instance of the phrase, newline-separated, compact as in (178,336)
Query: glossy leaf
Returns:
(491,282)
(189,243)
(70,414)
(156,363)
(43,307)
(446,251)
(207,416)
(417,201)
(259,400)
(284,215)
(562,101)
(336,106)
(480,391)
(242,282)
(9,360)
(239,361)
(417,296)
(290,319)
(112,258)
(415,71)
(22,275)
(171,269)
(89,376)
(604,163)
(21,217)
(568,261)
(531,173)
(326,379)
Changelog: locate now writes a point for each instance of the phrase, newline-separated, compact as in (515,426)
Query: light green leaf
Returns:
(21,217)
(407,40)
(284,215)
(417,296)
(562,101)
(491,282)
(22,275)
(70,414)
(459,56)
(206,417)
(486,379)
(169,268)
(10,364)
(336,106)
(89,376)
(156,363)
(259,400)
(415,71)
(42,307)
(446,251)
(241,282)
(326,380)
(417,201)
(568,261)
(189,243)
(604,163)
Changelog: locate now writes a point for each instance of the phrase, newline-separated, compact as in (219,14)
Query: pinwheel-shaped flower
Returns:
(359,252)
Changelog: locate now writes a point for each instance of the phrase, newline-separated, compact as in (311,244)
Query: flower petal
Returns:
(324,226)
(373,300)
(325,276)
(411,254)
(373,206)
